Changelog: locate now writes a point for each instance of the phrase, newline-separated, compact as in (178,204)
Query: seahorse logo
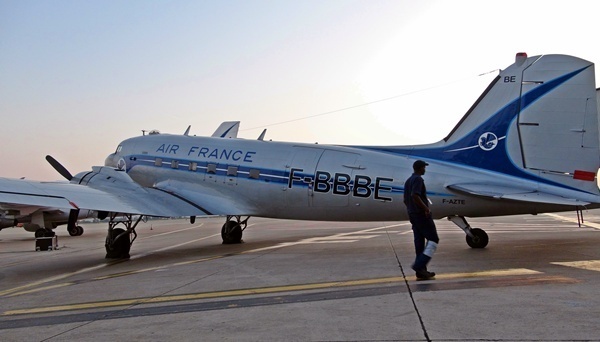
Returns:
(488,141)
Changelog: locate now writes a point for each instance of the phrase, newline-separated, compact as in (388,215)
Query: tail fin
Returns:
(538,120)
(227,129)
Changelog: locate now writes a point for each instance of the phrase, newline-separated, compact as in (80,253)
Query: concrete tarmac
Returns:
(538,280)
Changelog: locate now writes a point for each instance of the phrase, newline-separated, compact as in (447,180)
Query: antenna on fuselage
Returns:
(262,135)
(187,131)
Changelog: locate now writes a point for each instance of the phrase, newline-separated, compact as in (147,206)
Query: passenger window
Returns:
(232,171)
(193,166)
(158,162)
(211,168)
(254,173)
(175,164)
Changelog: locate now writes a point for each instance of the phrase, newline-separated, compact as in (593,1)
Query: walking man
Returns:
(417,204)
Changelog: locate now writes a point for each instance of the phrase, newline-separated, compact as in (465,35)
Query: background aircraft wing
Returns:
(514,193)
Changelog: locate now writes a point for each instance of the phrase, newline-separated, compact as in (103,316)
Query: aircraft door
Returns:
(333,179)
(300,173)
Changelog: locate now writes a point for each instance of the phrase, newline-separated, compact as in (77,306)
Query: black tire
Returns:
(79,230)
(73,232)
(231,232)
(479,240)
(118,249)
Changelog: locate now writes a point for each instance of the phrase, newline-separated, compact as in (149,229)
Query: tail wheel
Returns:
(231,232)
(479,240)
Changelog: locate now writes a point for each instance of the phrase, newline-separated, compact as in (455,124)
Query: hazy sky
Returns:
(78,77)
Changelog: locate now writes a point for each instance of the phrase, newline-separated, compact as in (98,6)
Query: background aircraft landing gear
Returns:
(476,237)
(75,231)
(119,240)
(232,229)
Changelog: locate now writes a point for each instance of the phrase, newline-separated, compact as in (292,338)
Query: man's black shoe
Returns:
(425,275)
(430,273)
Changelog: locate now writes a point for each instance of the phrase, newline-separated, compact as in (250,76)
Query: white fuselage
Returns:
(309,181)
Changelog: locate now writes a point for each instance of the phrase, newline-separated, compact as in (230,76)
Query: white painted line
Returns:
(570,219)
(590,265)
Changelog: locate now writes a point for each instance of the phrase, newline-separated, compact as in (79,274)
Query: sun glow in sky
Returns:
(78,77)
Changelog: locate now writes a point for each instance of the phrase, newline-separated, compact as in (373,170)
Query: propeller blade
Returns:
(59,168)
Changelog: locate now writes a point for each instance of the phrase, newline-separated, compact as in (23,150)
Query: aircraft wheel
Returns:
(79,230)
(479,240)
(231,232)
(73,232)
(118,249)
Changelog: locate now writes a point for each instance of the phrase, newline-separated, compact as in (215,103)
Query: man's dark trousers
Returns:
(424,229)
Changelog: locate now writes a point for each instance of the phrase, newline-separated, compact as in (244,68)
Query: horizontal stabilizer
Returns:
(514,193)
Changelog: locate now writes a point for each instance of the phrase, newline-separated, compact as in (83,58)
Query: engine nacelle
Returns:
(6,223)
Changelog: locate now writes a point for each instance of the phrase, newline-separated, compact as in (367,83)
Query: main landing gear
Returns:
(119,240)
(232,229)
(476,237)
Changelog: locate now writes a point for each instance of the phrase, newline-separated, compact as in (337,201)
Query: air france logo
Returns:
(121,165)
(488,141)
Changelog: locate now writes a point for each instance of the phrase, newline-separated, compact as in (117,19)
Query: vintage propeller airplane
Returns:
(528,145)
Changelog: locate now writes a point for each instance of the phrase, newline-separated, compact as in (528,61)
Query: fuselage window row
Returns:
(210,168)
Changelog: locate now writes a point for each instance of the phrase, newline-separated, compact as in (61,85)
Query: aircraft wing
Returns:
(212,201)
(103,189)
(513,193)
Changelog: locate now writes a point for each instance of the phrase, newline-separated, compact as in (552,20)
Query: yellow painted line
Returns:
(256,291)
(590,265)
(51,287)
(55,278)
(99,266)
(570,219)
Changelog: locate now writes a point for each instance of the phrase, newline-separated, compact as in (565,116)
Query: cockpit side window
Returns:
(119,148)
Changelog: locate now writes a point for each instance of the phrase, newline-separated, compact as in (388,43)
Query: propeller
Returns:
(59,168)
